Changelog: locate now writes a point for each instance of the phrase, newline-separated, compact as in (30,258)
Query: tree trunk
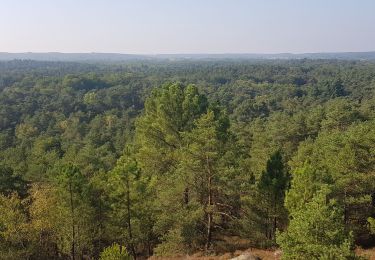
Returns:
(209,215)
(100,222)
(73,222)
(129,219)
(274,228)
(274,219)
(186,196)
(345,211)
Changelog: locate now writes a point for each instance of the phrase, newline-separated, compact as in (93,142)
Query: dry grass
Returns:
(368,253)
(263,254)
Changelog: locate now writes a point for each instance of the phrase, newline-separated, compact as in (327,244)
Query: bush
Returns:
(115,252)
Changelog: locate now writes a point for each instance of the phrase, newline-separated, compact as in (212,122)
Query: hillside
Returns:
(186,157)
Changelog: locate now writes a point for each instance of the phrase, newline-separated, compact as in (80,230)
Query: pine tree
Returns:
(131,194)
(62,219)
(272,186)
(317,231)
(305,183)
(203,166)
(169,111)
(11,183)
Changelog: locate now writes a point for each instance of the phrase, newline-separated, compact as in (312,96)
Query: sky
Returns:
(187,26)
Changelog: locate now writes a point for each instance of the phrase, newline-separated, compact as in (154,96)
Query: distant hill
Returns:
(58,56)
(118,57)
(333,55)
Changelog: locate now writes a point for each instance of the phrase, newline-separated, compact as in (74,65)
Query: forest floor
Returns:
(225,250)
(368,253)
(262,254)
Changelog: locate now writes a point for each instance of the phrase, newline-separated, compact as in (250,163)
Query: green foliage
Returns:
(203,159)
(371,221)
(274,180)
(204,169)
(173,244)
(343,159)
(264,210)
(317,231)
(75,232)
(254,223)
(115,252)
(14,234)
(306,181)
(130,195)
(170,110)
(50,224)
(10,183)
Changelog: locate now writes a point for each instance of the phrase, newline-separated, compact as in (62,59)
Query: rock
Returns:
(277,253)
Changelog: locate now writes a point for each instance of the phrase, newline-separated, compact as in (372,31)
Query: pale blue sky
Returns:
(187,26)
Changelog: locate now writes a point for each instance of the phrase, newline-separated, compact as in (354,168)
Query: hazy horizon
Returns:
(187,27)
(191,53)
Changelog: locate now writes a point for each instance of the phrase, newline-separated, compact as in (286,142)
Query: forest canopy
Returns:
(167,158)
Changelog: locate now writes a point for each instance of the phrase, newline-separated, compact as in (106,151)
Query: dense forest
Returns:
(168,158)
